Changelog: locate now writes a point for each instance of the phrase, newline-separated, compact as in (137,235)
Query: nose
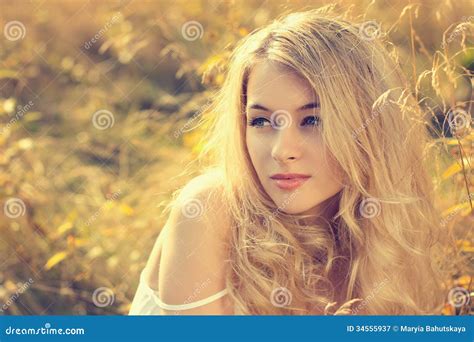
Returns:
(286,147)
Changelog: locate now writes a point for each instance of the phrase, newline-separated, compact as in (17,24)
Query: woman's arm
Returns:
(189,260)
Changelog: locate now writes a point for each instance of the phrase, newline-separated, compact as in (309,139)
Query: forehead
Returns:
(277,86)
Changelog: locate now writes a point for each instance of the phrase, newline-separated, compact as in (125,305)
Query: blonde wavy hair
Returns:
(381,230)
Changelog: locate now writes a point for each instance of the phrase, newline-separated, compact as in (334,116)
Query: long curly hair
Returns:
(379,234)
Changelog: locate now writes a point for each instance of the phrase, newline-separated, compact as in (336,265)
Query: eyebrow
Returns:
(310,105)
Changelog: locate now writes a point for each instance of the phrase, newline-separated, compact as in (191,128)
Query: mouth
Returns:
(289,181)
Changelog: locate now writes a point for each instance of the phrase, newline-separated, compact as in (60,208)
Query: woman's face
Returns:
(283,137)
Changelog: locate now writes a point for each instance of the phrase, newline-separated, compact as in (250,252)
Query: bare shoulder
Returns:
(201,205)
(194,253)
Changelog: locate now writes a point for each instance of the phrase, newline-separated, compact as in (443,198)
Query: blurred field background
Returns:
(99,113)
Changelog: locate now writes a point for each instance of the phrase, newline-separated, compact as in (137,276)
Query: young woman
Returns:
(315,192)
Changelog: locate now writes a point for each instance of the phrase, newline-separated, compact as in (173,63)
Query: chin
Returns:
(289,210)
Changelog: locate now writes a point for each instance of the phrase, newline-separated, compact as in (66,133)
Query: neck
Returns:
(323,212)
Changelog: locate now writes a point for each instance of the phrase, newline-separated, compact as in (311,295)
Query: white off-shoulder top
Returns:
(147,301)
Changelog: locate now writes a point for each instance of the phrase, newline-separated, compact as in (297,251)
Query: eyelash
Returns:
(253,122)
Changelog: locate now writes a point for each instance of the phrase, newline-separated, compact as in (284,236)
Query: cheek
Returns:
(325,166)
(334,167)
(331,175)
(258,151)
(314,153)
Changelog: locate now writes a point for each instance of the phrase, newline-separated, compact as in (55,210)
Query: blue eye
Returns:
(311,120)
(258,122)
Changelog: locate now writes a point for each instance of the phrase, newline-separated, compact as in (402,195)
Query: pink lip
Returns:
(289,181)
